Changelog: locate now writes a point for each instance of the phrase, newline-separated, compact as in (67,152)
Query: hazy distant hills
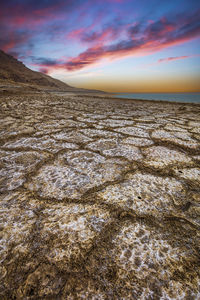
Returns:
(14,72)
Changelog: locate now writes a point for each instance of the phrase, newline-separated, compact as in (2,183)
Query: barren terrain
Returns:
(100,198)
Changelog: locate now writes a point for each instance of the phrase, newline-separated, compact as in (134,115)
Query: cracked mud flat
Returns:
(99,198)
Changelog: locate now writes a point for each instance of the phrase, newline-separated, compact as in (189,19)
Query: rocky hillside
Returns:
(14,71)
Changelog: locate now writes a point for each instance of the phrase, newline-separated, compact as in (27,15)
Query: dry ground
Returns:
(100,198)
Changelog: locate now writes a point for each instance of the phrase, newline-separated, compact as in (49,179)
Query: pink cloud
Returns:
(157,36)
(20,15)
(167,59)
(173,58)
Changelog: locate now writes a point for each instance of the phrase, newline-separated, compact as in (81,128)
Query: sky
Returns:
(111,45)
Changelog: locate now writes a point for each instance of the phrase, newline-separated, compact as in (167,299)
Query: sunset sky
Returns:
(112,45)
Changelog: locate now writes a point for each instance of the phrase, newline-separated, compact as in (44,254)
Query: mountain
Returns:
(13,72)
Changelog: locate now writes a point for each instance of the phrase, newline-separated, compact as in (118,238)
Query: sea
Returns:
(173,97)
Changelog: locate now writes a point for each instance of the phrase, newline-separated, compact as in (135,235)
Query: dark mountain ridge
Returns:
(13,72)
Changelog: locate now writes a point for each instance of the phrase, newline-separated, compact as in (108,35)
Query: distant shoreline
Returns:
(193,98)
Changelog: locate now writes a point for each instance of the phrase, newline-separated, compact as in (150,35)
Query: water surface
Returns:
(174,97)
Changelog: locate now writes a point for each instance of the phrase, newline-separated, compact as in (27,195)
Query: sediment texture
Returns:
(99,198)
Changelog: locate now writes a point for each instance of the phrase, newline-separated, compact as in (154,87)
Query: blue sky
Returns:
(113,45)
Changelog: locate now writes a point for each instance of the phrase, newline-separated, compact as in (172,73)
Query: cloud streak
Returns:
(154,37)
(92,29)
(167,59)
(24,21)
